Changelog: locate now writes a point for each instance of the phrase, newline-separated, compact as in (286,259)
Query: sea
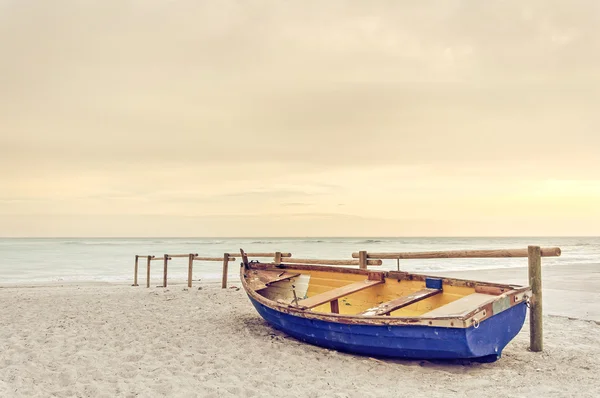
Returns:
(40,260)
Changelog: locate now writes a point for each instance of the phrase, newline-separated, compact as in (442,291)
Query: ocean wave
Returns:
(342,241)
(105,243)
(586,244)
(369,241)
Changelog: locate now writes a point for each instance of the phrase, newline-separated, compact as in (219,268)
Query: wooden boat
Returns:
(387,313)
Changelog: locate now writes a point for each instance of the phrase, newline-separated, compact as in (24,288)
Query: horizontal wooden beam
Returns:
(328,262)
(400,302)
(231,256)
(214,258)
(171,256)
(546,252)
(262,254)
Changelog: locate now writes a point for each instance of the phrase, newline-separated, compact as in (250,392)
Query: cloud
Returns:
(343,84)
(284,226)
(203,107)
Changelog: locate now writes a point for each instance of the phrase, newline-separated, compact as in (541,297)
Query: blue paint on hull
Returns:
(411,341)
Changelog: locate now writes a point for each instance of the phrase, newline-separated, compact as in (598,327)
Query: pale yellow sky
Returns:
(299,118)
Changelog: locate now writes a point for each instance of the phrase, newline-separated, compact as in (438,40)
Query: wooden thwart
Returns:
(461,306)
(335,294)
(400,302)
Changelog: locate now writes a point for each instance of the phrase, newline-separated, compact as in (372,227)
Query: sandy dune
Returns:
(123,341)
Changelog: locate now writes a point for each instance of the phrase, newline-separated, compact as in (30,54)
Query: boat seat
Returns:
(334,294)
(462,306)
(400,302)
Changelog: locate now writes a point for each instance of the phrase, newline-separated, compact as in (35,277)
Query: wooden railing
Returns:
(278,258)
(227,257)
(545,252)
(534,255)
(166,257)
(331,262)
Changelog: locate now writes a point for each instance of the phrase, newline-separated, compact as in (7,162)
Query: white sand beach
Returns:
(115,340)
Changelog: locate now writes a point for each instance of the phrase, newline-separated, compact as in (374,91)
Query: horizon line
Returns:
(304,237)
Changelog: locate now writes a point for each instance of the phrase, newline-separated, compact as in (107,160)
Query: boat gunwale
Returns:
(515,296)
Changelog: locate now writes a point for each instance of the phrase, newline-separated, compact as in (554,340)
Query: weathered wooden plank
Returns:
(376,276)
(362,259)
(335,306)
(135,271)
(225,267)
(166,258)
(190,268)
(154,258)
(545,252)
(335,294)
(328,262)
(461,306)
(536,332)
(214,258)
(259,279)
(400,302)
(264,254)
(244,258)
(495,290)
(149,258)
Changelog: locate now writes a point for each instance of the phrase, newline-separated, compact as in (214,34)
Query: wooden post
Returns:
(277,257)
(535,312)
(135,271)
(225,266)
(190,267)
(148,272)
(362,259)
(165,270)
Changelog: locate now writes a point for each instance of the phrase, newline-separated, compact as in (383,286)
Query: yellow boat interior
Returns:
(330,290)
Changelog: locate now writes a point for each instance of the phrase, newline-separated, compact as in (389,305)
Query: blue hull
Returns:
(483,344)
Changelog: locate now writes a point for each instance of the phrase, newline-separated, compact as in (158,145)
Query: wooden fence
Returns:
(165,259)
(227,257)
(534,255)
(278,258)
